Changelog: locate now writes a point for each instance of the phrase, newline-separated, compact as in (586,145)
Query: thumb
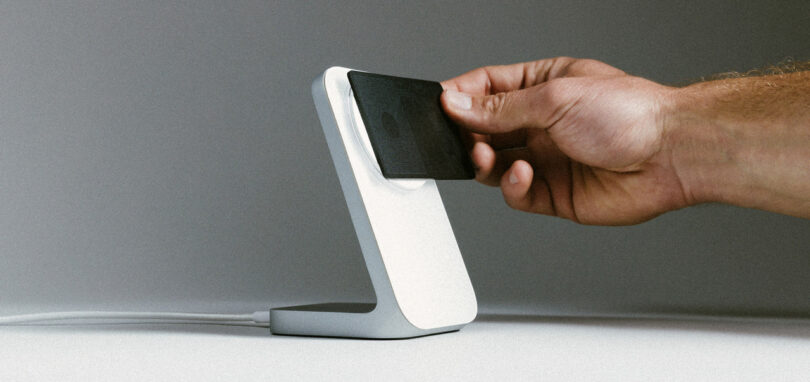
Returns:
(538,106)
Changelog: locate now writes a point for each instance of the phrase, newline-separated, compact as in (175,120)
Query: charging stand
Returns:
(414,262)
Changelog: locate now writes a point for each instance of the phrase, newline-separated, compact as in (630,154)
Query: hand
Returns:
(577,139)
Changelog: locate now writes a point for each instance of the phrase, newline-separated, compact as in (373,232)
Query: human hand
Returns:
(572,138)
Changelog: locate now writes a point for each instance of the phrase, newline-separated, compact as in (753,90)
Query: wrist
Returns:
(703,145)
(743,141)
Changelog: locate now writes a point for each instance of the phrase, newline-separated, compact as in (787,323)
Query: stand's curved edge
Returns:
(347,320)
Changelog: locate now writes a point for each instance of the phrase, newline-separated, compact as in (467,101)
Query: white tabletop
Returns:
(491,348)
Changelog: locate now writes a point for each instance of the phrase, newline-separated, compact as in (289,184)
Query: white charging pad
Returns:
(413,260)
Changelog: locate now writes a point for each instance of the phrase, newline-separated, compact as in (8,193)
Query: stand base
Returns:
(347,319)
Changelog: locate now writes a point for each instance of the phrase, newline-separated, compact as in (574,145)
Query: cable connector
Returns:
(262,317)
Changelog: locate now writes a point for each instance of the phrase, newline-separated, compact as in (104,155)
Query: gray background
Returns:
(167,155)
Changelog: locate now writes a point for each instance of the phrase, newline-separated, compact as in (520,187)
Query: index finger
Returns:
(490,80)
(495,79)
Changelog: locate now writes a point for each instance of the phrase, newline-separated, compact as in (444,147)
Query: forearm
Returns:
(743,141)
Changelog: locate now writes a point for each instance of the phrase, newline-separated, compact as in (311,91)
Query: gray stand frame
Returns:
(409,248)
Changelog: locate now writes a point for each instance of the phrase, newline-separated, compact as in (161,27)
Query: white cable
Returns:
(261,318)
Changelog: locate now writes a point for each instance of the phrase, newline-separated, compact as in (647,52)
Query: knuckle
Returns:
(582,65)
(560,66)
(483,77)
(556,91)
(588,66)
(494,104)
(564,60)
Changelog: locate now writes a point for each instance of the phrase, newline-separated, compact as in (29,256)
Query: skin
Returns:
(582,140)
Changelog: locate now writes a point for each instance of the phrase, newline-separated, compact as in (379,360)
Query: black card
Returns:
(410,134)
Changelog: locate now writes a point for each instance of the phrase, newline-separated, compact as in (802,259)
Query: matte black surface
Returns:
(410,134)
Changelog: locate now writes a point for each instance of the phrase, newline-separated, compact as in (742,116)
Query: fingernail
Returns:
(512,178)
(458,100)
